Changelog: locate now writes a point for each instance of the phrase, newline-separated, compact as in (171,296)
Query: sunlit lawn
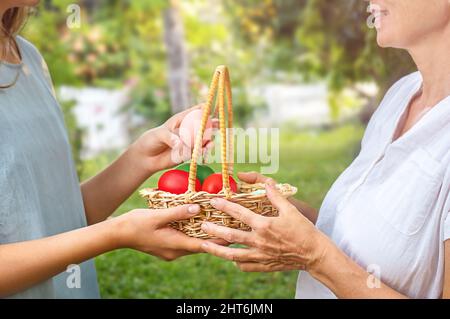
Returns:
(310,161)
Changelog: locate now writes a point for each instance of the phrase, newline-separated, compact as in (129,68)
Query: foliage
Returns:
(320,41)
(341,48)
(122,40)
(75,134)
(151,104)
(119,40)
(44,29)
(273,19)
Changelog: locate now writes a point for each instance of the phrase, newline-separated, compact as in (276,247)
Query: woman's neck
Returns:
(432,59)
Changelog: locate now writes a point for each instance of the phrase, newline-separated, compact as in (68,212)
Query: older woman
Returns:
(387,216)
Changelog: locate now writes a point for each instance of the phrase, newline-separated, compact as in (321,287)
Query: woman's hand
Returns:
(161,148)
(287,242)
(143,229)
(147,230)
(155,150)
(255,177)
(291,242)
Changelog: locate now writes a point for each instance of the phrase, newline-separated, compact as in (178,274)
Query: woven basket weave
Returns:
(251,196)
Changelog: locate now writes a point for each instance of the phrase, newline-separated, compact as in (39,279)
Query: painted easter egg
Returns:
(203,171)
(213,184)
(176,182)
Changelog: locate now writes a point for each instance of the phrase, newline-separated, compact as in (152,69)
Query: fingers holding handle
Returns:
(255,177)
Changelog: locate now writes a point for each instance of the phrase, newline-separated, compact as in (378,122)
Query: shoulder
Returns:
(31,55)
(36,61)
(27,48)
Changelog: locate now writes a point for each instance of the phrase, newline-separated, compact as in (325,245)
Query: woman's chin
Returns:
(383,40)
(32,3)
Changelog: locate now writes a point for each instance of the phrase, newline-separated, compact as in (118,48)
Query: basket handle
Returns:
(220,84)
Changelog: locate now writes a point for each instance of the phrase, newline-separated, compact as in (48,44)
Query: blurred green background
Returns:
(164,52)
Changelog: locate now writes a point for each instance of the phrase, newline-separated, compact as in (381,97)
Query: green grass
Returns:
(310,161)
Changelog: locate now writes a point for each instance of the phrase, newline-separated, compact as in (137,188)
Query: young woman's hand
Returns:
(287,242)
(161,148)
(147,230)
(157,149)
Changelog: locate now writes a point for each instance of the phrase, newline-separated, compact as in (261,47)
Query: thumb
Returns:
(178,151)
(172,140)
(254,177)
(168,215)
(277,200)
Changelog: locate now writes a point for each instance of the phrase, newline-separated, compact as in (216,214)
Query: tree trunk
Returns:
(178,69)
(90,5)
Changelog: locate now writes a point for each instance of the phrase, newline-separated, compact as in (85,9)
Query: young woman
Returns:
(387,216)
(44,212)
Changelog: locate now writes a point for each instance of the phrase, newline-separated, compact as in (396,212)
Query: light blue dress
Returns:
(39,190)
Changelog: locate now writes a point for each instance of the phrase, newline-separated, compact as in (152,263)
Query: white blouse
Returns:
(389,210)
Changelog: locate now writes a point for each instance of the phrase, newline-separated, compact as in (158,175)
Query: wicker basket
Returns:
(251,196)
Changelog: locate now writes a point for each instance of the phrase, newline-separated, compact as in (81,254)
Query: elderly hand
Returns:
(287,242)
(255,177)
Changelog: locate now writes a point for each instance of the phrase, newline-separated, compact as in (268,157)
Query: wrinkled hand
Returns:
(255,177)
(161,148)
(287,242)
(147,230)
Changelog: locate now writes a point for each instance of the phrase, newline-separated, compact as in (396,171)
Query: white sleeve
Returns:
(447,227)
(446,212)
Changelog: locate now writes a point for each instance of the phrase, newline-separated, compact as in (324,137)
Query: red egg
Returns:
(176,182)
(213,184)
